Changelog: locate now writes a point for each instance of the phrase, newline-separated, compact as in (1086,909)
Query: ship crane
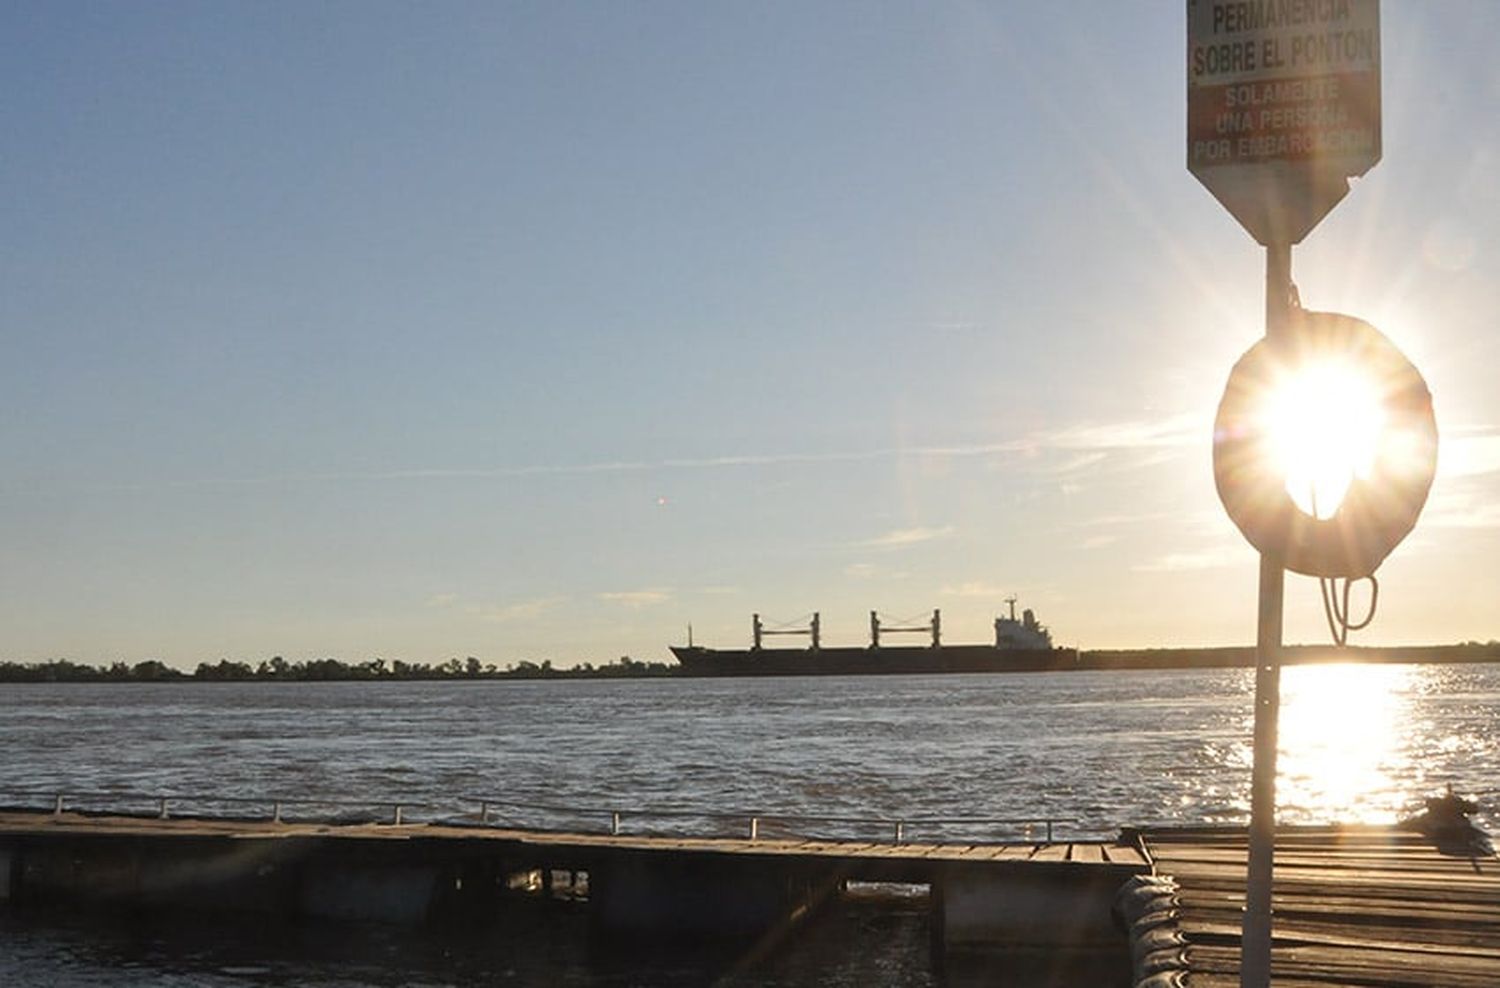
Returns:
(934,627)
(759,631)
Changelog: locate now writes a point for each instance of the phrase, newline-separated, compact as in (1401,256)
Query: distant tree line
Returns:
(278,669)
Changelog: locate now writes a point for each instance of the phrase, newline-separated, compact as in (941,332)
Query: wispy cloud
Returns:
(873,571)
(1177,562)
(442,600)
(900,538)
(957,326)
(636,598)
(523,610)
(1123,521)
(1091,441)
(975,588)
(1081,461)
(1185,429)
(1469,452)
(1463,509)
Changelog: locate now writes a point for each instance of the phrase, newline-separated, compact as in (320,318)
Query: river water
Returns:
(1092,751)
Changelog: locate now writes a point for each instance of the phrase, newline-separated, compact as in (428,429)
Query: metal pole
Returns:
(1255,943)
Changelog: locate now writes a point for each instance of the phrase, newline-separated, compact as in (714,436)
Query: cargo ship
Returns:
(1021,645)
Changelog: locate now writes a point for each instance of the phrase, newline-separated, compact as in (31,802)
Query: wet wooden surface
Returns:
(1366,906)
(1059,853)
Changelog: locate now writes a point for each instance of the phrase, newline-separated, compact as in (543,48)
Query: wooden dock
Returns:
(883,860)
(1049,899)
(1354,905)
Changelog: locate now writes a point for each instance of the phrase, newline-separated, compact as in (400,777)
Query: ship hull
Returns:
(898,661)
(909,661)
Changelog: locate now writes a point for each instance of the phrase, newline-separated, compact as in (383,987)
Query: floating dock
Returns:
(1371,906)
(1353,905)
(1045,899)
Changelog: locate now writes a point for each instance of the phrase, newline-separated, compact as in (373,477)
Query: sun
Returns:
(1324,423)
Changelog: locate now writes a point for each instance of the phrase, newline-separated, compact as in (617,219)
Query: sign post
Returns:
(1283,108)
(1255,936)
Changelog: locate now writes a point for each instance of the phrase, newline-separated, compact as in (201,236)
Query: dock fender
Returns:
(1142,895)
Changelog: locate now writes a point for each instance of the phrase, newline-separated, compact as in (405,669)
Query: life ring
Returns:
(1379,508)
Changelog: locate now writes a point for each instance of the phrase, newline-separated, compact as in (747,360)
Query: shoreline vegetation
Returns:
(279,670)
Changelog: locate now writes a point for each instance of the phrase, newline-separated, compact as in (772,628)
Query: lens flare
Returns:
(1324,422)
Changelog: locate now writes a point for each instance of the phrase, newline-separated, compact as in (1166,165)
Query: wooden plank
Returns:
(992,852)
(1362,907)
(1338,966)
(900,851)
(1127,854)
(1018,852)
(1088,853)
(1051,852)
(1331,934)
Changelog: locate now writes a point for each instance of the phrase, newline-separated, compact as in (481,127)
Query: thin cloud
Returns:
(636,598)
(442,600)
(524,610)
(902,537)
(1185,429)
(1469,452)
(1123,521)
(1080,461)
(975,588)
(1182,562)
(872,571)
(1090,441)
(1461,510)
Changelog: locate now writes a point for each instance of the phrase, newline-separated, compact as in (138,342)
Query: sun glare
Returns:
(1341,733)
(1324,422)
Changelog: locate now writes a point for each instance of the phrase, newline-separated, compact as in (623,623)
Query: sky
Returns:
(544,330)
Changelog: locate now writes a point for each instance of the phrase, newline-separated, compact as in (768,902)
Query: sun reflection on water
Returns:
(1343,752)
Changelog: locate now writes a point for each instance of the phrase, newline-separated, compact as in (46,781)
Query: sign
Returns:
(1283,107)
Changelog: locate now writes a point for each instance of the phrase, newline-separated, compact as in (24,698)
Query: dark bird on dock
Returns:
(1445,821)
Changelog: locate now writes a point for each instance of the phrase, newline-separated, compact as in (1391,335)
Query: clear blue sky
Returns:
(540,330)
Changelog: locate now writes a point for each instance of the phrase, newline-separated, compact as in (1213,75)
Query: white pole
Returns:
(1255,942)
